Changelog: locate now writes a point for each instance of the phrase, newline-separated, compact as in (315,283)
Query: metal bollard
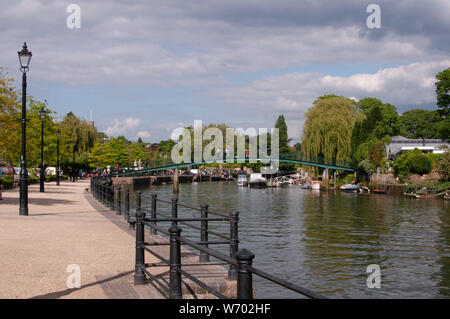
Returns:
(126,212)
(175,263)
(174,210)
(204,257)
(139,275)
(244,258)
(153,213)
(119,201)
(234,242)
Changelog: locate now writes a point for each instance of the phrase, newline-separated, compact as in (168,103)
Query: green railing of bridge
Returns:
(283,158)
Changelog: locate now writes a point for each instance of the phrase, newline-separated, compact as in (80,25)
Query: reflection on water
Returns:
(325,241)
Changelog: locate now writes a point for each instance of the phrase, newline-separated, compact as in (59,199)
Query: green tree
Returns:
(110,152)
(283,143)
(328,128)
(443,93)
(419,123)
(443,129)
(378,122)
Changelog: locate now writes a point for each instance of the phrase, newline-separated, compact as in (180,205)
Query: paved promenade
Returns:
(66,226)
(61,229)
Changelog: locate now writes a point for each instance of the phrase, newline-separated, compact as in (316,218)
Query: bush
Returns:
(32,179)
(7,181)
(443,166)
(412,162)
(433,157)
(50,178)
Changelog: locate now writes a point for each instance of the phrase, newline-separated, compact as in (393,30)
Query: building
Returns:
(400,144)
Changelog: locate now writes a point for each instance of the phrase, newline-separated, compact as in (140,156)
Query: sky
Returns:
(146,67)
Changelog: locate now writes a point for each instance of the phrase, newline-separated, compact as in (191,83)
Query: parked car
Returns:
(6,168)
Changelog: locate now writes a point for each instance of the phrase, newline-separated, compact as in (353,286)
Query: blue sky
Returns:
(147,67)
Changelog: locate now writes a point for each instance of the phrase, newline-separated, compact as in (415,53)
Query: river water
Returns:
(325,241)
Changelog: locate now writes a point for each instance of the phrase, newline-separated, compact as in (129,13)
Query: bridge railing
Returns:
(283,157)
(141,216)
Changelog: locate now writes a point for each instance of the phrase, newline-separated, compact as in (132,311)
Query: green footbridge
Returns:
(283,158)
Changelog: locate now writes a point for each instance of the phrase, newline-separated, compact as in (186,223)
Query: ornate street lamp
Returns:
(24,59)
(58,133)
(42,114)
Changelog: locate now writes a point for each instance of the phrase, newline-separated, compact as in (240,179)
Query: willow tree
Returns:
(328,128)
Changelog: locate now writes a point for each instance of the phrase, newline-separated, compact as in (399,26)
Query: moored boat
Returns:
(350,188)
(257,181)
(242,180)
(315,185)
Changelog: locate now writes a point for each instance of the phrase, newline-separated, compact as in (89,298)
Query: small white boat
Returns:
(350,188)
(242,180)
(315,185)
(257,181)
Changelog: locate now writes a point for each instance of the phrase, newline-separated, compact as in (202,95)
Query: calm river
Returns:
(324,241)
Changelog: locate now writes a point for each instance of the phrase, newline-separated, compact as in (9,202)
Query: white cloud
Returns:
(143,134)
(121,127)
(293,93)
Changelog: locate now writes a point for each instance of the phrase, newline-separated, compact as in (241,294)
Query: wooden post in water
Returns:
(176,189)
(325,180)
(335,182)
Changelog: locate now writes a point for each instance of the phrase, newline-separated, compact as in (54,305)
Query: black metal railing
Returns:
(141,216)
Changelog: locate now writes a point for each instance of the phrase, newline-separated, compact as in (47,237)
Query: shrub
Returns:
(433,157)
(32,179)
(50,178)
(443,166)
(7,181)
(412,162)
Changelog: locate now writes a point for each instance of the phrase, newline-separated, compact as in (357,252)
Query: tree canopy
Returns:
(420,123)
(443,93)
(328,127)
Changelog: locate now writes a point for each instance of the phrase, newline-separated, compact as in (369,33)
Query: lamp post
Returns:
(58,133)
(73,161)
(24,59)
(42,114)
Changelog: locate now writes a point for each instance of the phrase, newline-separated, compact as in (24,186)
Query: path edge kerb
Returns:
(117,220)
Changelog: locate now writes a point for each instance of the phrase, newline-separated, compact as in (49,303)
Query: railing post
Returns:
(113,197)
(174,210)
(107,195)
(153,213)
(175,263)
(119,201)
(204,257)
(131,218)
(234,242)
(126,212)
(103,193)
(139,275)
(244,258)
